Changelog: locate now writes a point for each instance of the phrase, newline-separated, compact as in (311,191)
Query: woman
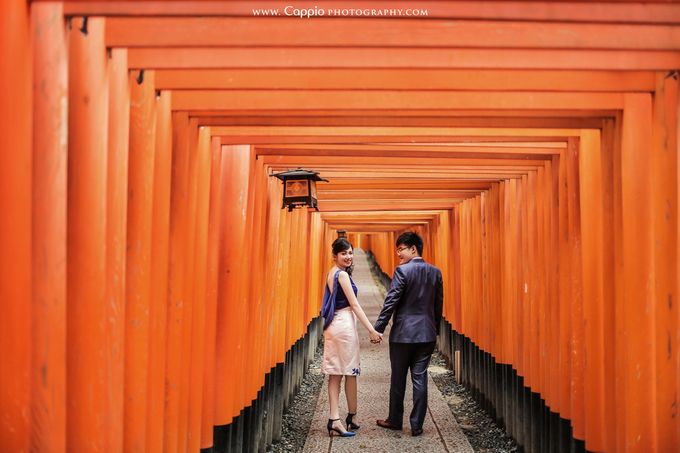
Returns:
(341,340)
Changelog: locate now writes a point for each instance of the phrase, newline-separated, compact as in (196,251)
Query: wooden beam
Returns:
(424,151)
(634,12)
(412,185)
(591,120)
(371,134)
(410,79)
(370,207)
(389,162)
(348,99)
(276,116)
(391,32)
(380,57)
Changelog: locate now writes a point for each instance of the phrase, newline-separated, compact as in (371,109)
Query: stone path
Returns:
(441,432)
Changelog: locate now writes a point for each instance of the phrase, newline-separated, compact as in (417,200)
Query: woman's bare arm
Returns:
(346,286)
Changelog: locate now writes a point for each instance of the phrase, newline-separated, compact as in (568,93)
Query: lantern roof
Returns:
(299,173)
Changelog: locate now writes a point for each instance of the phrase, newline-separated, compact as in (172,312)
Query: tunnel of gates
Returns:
(155,297)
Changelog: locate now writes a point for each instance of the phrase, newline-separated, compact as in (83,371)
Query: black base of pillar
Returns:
(259,424)
(503,395)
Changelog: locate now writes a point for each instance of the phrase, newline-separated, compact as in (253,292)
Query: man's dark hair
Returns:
(410,239)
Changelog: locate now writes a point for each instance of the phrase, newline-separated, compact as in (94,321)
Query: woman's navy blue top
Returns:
(341,298)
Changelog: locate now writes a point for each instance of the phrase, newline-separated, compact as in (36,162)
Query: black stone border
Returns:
(259,424)
(501,392)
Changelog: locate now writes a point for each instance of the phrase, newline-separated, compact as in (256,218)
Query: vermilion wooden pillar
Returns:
(260,314)
(635,322)
(664,161)
(576,409)
(50,99)
(138,265)
(176,283)
(197,361)
(190,282)
(15,226)
(231,307)
(89,423)
(592,233)
(116,233)
(211,293)
(275,244)
(159,275)
(564,332)
(609,151)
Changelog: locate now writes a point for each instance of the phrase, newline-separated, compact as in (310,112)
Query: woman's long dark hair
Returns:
(340,245)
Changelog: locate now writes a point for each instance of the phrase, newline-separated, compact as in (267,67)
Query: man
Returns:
(415,299)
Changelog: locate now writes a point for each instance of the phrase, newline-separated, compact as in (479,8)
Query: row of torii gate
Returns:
(151,286)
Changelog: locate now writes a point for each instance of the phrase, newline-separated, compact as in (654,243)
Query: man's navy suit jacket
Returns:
(415,298)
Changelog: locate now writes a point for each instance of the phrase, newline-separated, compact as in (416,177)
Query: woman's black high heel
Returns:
(332,429)
(350,424)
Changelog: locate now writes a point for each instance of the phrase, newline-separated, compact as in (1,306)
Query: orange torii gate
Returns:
(146,285)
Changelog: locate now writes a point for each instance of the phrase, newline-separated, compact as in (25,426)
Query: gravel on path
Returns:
(298,418)
(484,434)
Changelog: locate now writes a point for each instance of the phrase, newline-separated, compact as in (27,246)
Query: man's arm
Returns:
(438,301)
(391,299)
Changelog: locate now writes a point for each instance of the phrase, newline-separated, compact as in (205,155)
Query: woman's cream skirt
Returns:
(341,345)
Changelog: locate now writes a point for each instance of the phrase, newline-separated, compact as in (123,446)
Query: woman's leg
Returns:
(351,394)
(334,395)
(334,381)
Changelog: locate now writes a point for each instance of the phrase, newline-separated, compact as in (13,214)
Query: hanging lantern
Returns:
(342,234)
(299,188)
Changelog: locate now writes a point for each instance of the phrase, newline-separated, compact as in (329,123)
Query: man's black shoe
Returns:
(416,432)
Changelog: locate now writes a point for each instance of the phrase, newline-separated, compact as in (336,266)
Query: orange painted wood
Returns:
(116,225)
(316,267)
(89,423)
(347,99)
(211,293)
(532,334)
(250,292)
(404,79)
(231,310)
(638,419)
(385,33)
(664,162)
(158,314)
(277,241)
(15,230)
(259,314)
(392,134)
(48,373)
(553,268)
(563,403)
(197,363)
(522,318)
(176,283)
(534,150)
(543,118)
(330,163)
(608,160)
(592,236)
(575,298)
(377,57)
(620,338)
(544,182)
(189,293)
(285,231)
(633,12)
(138,261)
